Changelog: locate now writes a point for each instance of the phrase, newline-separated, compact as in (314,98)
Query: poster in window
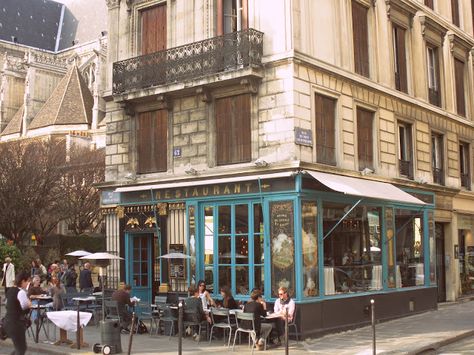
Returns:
(176,265)
(282,244)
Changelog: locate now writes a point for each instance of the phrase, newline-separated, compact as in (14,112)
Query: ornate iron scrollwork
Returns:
(218,54)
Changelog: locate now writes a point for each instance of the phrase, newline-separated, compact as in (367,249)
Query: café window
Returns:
(233,132)
(434,92)
(437,158)
(352,248)
(282,246)
(233,247)
(405,150)
(309,236)
(409,248)
(152,141)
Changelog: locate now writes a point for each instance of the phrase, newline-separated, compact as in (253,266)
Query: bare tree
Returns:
(85,168)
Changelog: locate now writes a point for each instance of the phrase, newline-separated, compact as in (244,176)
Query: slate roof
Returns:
(34,23)
(15,124)
(70,103)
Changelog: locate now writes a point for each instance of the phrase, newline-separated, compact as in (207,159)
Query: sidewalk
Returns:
(409,335)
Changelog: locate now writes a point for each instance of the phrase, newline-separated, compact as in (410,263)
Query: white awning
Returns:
(168,185)
(364,188)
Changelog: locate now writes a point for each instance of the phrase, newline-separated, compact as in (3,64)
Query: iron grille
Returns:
(405,168)
(228,52)
(438,176)
(466,181)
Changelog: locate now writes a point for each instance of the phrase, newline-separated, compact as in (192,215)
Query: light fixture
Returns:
(190,171)
(366,171)
(260,163)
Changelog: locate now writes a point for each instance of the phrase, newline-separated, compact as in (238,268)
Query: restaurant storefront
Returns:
(334,241)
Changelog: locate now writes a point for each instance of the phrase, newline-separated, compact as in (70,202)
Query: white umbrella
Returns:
(102,259)
(175,256)
(79,253)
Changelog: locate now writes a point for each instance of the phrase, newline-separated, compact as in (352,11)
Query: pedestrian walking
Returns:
(18,306)
(85,279)
(8,277)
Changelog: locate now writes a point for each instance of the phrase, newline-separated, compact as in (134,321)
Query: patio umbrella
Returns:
(79,253)
(102,259)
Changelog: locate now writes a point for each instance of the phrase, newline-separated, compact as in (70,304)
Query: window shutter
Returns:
(401,61)
(233,131)
(459,78)
(153,29)
(325,130)
(160,140)
(455,11)
(429,3)
(152,141)
(360,34)
(144,142)
(364,139)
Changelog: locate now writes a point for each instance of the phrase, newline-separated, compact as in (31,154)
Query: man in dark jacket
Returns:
(123,301)
(85,279)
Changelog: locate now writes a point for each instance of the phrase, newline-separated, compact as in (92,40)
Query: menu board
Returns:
(176,265)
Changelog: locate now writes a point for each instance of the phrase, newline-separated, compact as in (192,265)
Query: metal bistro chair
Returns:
(242,318)
(166,316)
(191,319)
(293,324)
(112,310)
(221,319)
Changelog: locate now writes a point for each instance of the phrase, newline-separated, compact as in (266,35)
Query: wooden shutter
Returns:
(153,29)
(325,109)
(233,141)
(429,3)
(459,81)
(455,11)
(364,138)
(152,141)
(221,18)
(400,58)
(360,33)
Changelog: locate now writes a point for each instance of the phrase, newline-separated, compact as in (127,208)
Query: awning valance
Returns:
(168,185)
(364,188)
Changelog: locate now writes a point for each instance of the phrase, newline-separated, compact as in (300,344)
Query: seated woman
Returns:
(56,290)
(35,288)
(228,300)
(206,298)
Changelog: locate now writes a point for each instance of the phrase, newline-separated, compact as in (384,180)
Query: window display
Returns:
(309,235)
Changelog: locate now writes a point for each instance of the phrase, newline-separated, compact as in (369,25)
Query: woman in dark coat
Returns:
(18,306)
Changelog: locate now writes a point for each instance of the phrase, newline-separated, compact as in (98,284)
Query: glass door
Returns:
(139,263)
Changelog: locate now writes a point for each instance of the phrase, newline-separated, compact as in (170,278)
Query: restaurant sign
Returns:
(226,189)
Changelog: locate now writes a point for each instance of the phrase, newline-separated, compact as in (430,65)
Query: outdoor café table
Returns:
(79,300)
(40,309)
(69,321)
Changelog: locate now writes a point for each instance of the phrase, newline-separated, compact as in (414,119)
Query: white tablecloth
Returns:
(67,320)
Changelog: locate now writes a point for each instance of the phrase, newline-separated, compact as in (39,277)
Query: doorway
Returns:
(440,262)
(138,254)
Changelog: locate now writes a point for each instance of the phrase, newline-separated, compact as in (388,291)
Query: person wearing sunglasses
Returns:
(206,298)
(283,303)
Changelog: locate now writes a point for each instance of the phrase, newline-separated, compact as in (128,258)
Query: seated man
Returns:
(123,300)
(257,306)
(281,304)
(193,304)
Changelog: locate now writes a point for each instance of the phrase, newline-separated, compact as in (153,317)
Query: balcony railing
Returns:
(466,181)
(405,168)
(438,176)
(228,52)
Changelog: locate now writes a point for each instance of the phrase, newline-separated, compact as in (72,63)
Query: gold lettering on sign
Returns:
(236,188)
(248,185)
(195,192)
(205,191)
(226,190)
(217,190)
(167,194)
(186,192)
(177,194)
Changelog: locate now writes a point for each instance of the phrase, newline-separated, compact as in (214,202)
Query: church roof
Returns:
(14,126)
(70,103)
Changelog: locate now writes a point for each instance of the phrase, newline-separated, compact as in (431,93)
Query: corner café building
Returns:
(335,241)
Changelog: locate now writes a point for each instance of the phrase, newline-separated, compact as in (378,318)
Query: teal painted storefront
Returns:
(283,229)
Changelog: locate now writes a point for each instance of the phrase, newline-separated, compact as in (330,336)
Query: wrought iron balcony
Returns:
(228,52)
(406,169)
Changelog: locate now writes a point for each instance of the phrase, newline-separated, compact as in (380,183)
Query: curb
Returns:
(441,343)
